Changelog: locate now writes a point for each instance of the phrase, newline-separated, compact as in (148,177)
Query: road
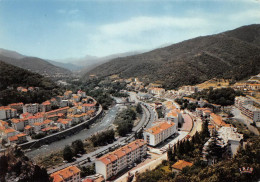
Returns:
(155,162)
(144,120)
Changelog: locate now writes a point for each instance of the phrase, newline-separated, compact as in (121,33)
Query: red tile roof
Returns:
(112,156)
(160,127)
(180,164)
(64,174)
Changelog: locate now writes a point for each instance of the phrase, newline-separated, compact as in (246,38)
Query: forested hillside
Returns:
(12,77)
(225,55)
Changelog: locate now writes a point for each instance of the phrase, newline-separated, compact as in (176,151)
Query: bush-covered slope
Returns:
(190,62)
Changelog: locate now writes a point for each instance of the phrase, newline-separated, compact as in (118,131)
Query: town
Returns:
(171,124)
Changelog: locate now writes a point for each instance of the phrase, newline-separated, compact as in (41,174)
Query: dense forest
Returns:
(221,96)
(224,55)
(13,77)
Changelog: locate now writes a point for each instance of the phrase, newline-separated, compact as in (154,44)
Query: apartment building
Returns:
(69,174)
(245,105)
(114,162)
(159,132)
(7,112)
(31,108)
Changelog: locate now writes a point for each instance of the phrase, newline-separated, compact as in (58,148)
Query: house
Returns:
(156,91)
(46,106)
(67,94)
(38,127)
(17,106)
(50,129)
(88,106)
(180,164)
(18,124)
(75,98)
(70,174)
(203,112)
(144,96)
(64,123)
(28,129)
(112,163)
(94,178)
(217,120)
(19,138)
(6,112)
(81,93)
(8,132)
(64,103)
(37,118)
(57,111)
(159,132)
(31,108)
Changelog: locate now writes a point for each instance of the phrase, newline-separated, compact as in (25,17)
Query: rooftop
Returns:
(113,156)
(180,164)
(160,127)
(63,174)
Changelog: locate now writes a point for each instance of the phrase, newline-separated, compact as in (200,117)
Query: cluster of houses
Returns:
(30,89)
(20,120)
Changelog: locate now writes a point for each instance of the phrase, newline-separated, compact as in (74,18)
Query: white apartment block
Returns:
(7,112)
(246,107)
(159,132)
(114,162)
(31,108)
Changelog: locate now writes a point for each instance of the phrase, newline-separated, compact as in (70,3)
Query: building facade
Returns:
(114,162)
(159,132)
(247,108)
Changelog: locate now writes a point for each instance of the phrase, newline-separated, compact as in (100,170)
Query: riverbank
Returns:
(83,134)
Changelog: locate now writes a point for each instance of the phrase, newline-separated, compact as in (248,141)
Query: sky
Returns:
(60,29)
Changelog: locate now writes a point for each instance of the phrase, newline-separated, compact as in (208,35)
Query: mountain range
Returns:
(57,68)
(33,64)
(233,54)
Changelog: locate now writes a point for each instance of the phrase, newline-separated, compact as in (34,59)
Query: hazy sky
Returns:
(58,29)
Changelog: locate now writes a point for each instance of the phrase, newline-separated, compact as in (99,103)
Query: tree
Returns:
(3,167)
(139,108)
(205,131)
(215,150)
(67,153)
(40,174)
(78,147)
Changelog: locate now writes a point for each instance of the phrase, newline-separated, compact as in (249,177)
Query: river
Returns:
(59,145)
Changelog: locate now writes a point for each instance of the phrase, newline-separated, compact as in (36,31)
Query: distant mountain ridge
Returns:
(33,64)
(233,54)
(88,62)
